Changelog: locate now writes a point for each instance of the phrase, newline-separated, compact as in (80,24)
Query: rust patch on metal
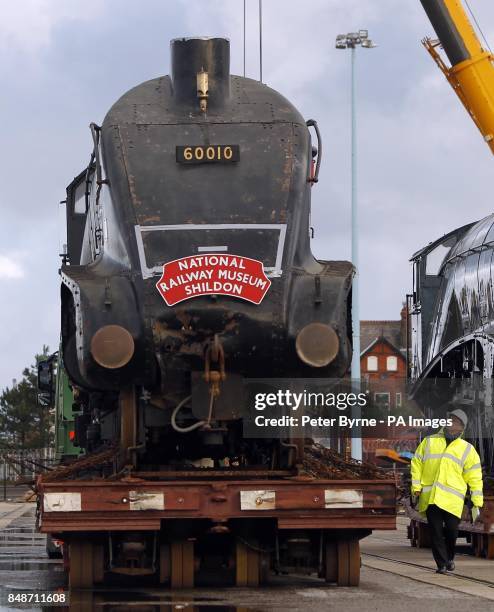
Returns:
(286,178)
(148,220)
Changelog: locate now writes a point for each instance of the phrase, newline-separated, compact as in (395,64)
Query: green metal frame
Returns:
(64,414)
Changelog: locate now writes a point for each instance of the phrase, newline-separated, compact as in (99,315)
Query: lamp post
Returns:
(351,41)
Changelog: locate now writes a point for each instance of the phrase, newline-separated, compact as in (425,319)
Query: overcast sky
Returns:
(423,167)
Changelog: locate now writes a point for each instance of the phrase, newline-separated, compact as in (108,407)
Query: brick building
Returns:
(383,359)
(383,362)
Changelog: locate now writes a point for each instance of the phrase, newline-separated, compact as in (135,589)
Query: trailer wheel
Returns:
(331,562)
(265,568)
(250,572)
(86,564)
(424,539)
(477,544)
(342,562)
(483,545)
(165,563)
(489,546)
(348,562)
(182,564)
(419,534)
(81,565)
(355,562)
(98,563)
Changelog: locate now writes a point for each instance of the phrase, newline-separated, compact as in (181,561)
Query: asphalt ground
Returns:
(10,492)
(395,578)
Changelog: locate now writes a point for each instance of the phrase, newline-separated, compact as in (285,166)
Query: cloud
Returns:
(10,269)
(29,24)
(423,168)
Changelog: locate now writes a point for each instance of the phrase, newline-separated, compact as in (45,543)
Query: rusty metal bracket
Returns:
(214,354)
(314,176)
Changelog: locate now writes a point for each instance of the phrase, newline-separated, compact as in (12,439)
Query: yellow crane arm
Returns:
(471,73)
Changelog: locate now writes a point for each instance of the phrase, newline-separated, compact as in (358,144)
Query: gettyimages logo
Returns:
(212,274)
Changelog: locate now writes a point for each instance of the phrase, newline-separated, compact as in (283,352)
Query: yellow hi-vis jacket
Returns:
(442,472)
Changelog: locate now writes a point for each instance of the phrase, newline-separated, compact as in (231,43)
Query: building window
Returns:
(382,399)
(398,400)
(392,364)
(372,364)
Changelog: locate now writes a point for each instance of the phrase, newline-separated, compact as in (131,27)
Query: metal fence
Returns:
(25,465)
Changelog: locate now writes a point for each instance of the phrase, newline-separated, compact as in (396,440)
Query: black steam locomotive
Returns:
(194,179)
(452,315)
(453,304)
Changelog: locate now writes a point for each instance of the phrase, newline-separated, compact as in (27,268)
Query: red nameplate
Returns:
(213,274)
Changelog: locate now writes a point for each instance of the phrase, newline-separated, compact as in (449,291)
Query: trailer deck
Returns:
(178,526)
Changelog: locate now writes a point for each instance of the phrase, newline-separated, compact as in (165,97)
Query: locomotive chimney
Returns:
(201,71)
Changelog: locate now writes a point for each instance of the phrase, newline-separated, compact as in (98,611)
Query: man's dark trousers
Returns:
(444,531)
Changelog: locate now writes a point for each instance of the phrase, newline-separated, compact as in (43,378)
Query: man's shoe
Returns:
(450,566)
(441,570)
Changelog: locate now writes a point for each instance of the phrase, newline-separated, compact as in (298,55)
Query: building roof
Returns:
(370,331)
(386,341)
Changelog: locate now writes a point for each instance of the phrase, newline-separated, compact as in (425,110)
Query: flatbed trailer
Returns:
(183,527)
(479,534)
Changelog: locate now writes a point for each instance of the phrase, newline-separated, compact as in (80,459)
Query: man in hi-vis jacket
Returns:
(443,466)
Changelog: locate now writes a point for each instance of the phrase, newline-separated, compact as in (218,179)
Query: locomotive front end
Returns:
(204,275)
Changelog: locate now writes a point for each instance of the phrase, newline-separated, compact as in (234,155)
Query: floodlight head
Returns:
(341,41)
(353,39)
(368,44)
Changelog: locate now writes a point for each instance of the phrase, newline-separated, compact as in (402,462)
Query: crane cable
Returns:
(478,25)
(244,33)
(260,41)
(260,37)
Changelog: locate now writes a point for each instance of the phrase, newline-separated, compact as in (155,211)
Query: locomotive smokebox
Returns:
(201,71)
